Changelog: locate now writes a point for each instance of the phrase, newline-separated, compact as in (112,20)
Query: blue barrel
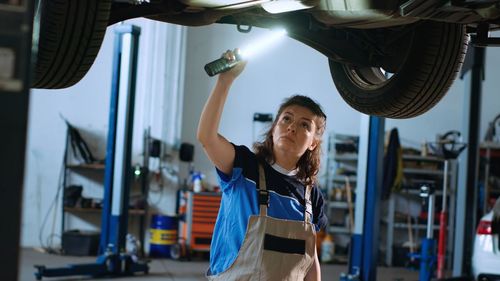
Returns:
(163,235)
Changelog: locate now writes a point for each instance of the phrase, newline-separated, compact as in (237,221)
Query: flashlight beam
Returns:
(263,43)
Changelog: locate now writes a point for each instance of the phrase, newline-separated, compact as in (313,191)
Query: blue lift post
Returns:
(465,218)
(112,261)
(118,153)
(364,242)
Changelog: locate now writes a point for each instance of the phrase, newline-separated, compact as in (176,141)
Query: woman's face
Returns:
(295,130)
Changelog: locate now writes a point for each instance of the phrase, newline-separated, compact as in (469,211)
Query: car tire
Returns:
(70,36)
(436,54)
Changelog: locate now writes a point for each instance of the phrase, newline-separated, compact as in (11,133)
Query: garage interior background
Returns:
(171,90)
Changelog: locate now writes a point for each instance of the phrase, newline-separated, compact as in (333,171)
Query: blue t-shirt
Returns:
(240,201)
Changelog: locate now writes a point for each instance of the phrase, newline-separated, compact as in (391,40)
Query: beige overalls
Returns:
(274,249)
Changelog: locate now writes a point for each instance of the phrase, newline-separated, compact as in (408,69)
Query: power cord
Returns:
(48,245)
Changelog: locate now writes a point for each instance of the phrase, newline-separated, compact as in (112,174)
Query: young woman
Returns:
(271,207)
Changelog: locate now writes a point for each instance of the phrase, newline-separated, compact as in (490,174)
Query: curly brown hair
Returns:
(309,162)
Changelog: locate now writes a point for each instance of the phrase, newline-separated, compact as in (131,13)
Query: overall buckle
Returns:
(263,197)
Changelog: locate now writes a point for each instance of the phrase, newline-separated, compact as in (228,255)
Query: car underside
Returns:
(376,49)
(330,13)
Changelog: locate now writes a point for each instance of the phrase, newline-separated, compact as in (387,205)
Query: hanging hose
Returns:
(441,244)
(443,221)
(349,204)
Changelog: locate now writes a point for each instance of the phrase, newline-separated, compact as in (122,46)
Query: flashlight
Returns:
(257,46)
(223,64)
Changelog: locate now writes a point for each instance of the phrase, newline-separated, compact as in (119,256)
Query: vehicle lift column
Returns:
(465,218)
(15,53)
(364,242)
(118,173)
(112,261)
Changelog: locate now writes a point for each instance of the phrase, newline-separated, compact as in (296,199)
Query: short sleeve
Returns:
(243,160)
(319,206)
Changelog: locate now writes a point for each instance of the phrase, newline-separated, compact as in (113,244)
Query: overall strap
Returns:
(263,192)
(308,211)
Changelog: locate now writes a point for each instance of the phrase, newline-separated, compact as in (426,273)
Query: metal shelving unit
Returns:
(416,168)
(78,172)
(339,210)
(395,227)
(74,166)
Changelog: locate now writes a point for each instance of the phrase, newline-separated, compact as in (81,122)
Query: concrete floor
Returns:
(169,270)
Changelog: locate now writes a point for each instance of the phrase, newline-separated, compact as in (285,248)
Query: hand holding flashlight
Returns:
(232,58)
(228,60)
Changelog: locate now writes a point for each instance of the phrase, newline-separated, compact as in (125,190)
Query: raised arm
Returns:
(218,148)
